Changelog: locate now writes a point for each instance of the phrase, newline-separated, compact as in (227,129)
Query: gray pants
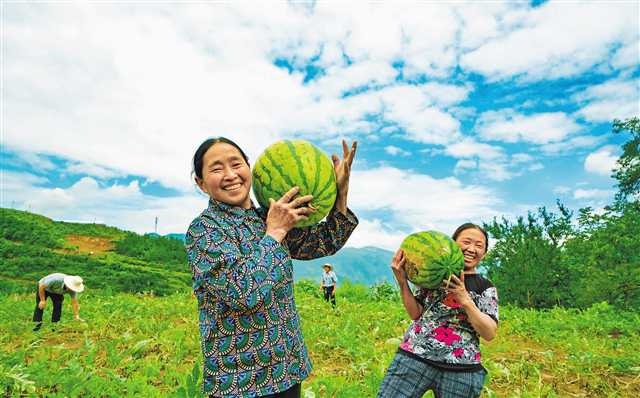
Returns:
(411,378)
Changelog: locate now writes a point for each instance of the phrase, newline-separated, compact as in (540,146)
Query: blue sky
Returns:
(463,111)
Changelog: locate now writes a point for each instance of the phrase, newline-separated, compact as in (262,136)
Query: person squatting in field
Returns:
(55,286)
(240,258)
(328,284)
(441,349)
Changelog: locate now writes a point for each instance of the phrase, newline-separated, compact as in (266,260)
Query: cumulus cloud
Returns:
(602,161)
(395,151)
(614,99)
(470,148)
(376,233)
(120,205)
(543,43)
(419,201)
(592,193)
(540,128)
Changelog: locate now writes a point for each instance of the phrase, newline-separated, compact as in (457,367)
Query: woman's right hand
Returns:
(397,266)
(285,213)
(42,304)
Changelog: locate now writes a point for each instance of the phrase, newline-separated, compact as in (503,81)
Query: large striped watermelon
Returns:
(290,163)
(430,257)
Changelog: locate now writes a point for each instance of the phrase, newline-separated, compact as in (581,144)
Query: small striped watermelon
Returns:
(290,163)
(431,257)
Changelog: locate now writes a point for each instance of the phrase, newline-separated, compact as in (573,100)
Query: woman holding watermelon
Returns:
(441,349)
(240,258)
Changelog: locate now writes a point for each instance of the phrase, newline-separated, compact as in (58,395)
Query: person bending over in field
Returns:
(441,349)
(56,286)
(240,259)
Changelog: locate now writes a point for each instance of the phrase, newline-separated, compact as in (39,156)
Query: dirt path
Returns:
(90,244)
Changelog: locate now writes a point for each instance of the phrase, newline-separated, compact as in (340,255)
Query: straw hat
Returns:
(74,282)
(328,265)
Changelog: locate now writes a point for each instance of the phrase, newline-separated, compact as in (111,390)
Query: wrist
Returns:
(277,234)
(467,303)
(341,202)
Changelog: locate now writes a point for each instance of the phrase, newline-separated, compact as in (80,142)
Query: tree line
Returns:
(551,258)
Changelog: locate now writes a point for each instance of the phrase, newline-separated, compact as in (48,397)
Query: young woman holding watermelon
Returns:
(240,258)
(441,349)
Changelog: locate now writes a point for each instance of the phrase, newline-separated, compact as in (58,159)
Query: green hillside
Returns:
(109,259)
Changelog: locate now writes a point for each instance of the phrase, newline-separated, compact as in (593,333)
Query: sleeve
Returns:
(488,303)
(322,239)
(244,282)
(421,295)
(335,278)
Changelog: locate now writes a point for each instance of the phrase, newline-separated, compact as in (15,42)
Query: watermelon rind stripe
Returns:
(318,159)
(281,174)
(305,184)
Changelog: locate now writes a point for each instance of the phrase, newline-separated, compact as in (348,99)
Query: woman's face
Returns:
(226,177)
(472,243)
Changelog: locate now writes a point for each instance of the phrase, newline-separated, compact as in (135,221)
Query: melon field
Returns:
(140,338)
(142,345)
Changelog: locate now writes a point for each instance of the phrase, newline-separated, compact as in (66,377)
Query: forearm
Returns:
(322,239)
(41,293)
(481,322)
(414,309)
(341,203)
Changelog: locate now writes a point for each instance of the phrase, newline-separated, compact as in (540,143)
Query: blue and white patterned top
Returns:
(329,278)
(243,280)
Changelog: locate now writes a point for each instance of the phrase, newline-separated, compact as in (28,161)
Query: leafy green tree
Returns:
(627,171)
(525,262)
(604,257)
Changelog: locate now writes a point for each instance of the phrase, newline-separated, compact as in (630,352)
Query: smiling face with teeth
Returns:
(226,176)
(473,244)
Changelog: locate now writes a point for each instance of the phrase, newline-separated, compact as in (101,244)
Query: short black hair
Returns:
(204,147)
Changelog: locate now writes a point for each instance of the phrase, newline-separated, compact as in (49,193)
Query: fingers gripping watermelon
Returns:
(431,256)
(290,163)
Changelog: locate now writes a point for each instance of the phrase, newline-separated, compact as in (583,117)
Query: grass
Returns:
(143,345)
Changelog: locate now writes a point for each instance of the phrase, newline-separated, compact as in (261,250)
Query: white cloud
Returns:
(420,201)
(465,164)
(376,233)
(395,151)
(468,147)
(544,43)
(602,161)
(614,99)
(536,167)
(521,158)
(123,206)
(561,190)
(573,143)
(510,126)
(592,193)
(92,170)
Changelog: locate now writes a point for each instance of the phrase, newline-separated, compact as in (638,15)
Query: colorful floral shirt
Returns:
(443,336)
(243,280)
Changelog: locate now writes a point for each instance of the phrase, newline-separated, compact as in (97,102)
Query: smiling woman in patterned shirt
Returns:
(240,259)
(441,349)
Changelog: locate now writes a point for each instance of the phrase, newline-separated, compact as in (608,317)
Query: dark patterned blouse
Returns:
(243,280)
(443,336)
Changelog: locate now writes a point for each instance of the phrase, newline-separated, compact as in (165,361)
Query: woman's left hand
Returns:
(343,172)
(456,287)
